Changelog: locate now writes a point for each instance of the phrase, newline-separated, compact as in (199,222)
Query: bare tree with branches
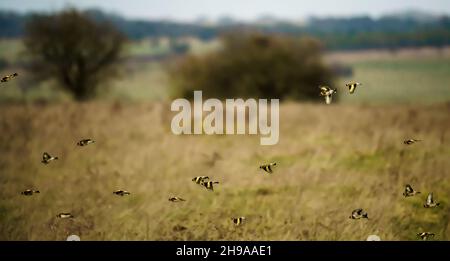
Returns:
(77,51)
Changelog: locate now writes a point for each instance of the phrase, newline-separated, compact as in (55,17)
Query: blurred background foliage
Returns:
(255,65)
(267,57)
(410,28)
(76,51)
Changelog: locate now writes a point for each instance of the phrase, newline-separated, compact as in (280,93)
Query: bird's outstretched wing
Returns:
(46,156)
(430,199)
(351,88)
(323,88)
(408,189)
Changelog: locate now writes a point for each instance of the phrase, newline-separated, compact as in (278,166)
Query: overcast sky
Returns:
(189,10)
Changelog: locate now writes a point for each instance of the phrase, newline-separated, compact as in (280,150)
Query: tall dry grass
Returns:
(331,160)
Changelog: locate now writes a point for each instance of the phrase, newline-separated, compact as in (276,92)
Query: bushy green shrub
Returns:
(254,65)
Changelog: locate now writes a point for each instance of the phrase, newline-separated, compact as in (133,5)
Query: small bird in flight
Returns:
(209,185)
(352,86)
(9,77)
(358,214)
(85,142)
(411,141)
(409,191)
(200,179)
(238,221)
(327,93)
(29,192)
(176,199)
(46,158)
(64,215)
(425,235)
(121,192)
(268,167)
(430,203)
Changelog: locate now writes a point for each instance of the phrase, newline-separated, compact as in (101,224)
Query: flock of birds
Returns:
(204,181)
(327,93)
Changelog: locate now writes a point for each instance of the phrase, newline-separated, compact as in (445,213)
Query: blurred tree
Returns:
(73,49)
(255,65)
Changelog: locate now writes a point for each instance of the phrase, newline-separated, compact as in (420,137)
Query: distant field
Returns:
(331,160)
(423,81)
(405,76)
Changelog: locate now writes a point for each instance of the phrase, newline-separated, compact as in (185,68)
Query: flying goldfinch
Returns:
(358,214)
(121,192)
(8,77)
(176,199)
(327,93)
(430,203)
(425,235)
(238,221)
(46,158)
(409,191)
(209,185)
(64,215)
(200,179)
(352,86)
(29,192)
(85,142)
(411,141)
(268,167)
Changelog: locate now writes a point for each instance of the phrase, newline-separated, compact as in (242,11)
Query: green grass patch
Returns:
(422,81)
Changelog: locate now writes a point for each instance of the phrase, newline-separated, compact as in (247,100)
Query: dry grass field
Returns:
(331,160)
